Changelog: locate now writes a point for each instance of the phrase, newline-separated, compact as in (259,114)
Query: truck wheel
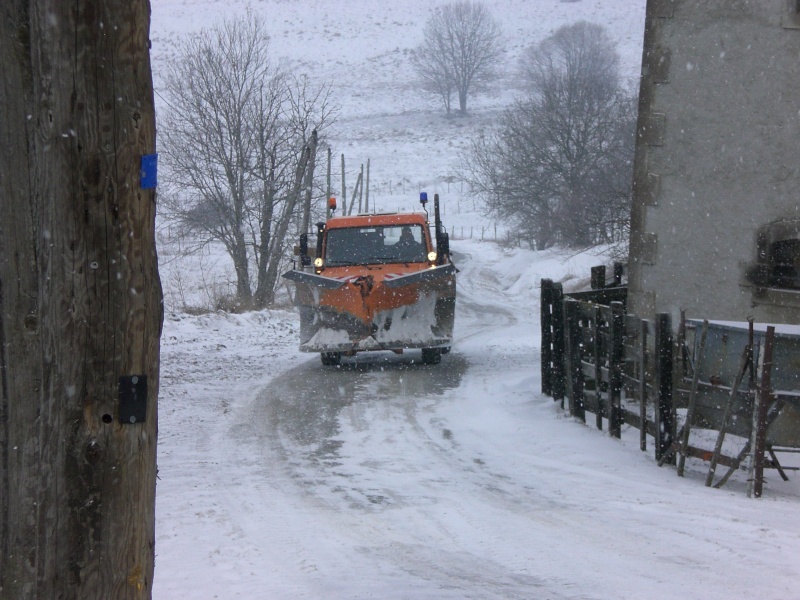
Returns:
(331,359)
(431,356)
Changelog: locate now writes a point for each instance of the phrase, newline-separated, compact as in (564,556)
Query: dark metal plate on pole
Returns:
(132,399)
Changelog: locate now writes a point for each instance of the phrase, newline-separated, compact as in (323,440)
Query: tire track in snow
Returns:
(363,449)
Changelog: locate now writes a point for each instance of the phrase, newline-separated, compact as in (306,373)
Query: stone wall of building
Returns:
(717,167)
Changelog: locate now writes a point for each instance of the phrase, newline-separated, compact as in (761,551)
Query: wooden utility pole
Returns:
(360,186)
(80,301)
(344,190)
(328,187)
(366,199)
(308,184)
(355,195)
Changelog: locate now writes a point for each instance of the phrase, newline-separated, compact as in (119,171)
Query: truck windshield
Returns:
(374,245)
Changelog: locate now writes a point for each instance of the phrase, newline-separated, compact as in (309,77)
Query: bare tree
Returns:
(235,132)
(560,164)
(80,301)
(501,169)
(460,51)
(433,69)
(288,182)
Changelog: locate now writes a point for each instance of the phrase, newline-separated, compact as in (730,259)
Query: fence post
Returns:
(698,357)
(618,269)
(572,329)
(598,277)
(546,317)
(598,368)
(760,416)
(643,385)
(617,357)
(558,380)
(664,411)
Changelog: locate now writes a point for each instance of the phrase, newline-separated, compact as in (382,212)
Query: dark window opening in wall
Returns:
(791,15)
(778,256)
(785,264)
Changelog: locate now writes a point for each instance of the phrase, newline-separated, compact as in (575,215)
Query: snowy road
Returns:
(407,507)
(390,479)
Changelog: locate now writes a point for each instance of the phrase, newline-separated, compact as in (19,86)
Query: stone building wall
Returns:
(716,209)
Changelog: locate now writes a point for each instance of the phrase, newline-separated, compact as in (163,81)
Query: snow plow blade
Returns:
(327,283)
(420,276)
(372,312)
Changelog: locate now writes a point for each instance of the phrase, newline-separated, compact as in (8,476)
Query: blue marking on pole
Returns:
(148,175)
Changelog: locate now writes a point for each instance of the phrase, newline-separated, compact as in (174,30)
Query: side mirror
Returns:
(305,259)
(320,233)
(444,244)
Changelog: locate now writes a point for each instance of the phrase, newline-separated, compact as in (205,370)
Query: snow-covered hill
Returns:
(361,47)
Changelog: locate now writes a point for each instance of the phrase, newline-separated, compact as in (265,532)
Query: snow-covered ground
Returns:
(283,479)
(280,478)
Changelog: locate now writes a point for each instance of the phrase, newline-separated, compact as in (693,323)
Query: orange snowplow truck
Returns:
(376,282)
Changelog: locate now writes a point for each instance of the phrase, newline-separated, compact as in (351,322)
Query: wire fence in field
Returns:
(491,232)
(197,275)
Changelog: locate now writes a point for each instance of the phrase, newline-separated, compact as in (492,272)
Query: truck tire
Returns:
(331,359)
(431,356)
